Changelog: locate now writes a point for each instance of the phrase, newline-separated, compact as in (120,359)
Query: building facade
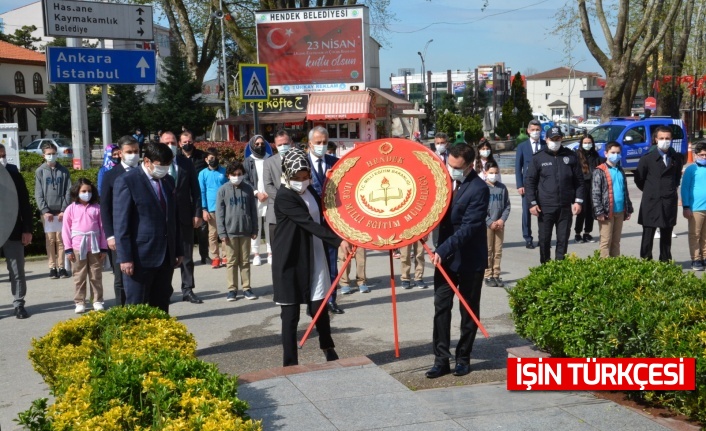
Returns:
(557,92)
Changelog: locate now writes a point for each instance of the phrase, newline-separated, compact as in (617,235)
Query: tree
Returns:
(57,115)
(448,103)
(22,37)
(127,109)
(178,103)
(629,46)
(516,111)
(474,102)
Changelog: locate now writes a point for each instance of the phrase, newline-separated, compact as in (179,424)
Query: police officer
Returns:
(554,187)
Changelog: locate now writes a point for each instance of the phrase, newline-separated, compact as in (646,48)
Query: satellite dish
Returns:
(8,204)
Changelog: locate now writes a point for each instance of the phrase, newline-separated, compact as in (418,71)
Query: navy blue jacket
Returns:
(143,232)
(523,156)
(106,202)
(463,241)
(23,224)
(316,182)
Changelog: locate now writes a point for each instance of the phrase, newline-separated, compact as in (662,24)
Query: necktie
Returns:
(457,185)
(535,148)
(162,202)
(666,163)
(320,170)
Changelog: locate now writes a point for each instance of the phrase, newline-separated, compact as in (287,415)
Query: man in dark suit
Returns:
(523,157)
(198,159)
(273,177)
(129,159)
(147,238)
(463,253)
(658,175)
(20,237)
(320,163)
(188,202)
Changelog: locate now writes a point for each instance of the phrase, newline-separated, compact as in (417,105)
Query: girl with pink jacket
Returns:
(85,243)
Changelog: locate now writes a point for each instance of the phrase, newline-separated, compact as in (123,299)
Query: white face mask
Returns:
(299,186)
(457,174)
(587,147)
(535,135)
(51,158)
(319,150)
(3,161)
(131,159)
(85,196)
(484,153)
(664,144)
(237,179)
(174,149)
(441,148)
(159,172)
(492,178)
(283,149)
(553,146)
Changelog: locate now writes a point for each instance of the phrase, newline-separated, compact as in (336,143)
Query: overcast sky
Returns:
(512,31)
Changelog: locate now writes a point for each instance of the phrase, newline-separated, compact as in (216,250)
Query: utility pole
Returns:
(79,118)
(107,129)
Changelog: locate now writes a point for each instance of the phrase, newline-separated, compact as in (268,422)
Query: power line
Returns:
(463,22)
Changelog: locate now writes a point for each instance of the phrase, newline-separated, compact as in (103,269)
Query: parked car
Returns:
(64,147)
(636,136)
(431,133)
(589,124)
(570,129)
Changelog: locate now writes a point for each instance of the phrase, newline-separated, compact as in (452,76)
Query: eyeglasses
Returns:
(701,156)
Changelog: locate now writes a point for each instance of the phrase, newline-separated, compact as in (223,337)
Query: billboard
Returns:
(310,50)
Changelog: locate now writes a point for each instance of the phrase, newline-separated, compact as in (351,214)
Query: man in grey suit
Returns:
(273,177)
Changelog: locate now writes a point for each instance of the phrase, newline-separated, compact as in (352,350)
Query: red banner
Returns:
(601,374)
(312,52)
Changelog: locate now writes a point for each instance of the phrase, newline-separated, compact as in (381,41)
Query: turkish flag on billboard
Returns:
(312,52)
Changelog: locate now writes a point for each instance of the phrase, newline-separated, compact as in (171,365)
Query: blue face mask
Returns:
(614,158)
(701,162)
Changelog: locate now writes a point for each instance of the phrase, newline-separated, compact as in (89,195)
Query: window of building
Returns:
(343,130)
(19,83)
(22,119)
(546,96)
(547,83)
(38,84)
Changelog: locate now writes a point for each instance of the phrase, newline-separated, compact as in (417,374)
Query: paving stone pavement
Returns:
(243,337)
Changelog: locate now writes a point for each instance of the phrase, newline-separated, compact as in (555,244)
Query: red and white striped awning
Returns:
(345,105)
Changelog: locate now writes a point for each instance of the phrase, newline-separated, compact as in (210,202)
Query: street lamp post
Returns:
(225,68)
(571,69)
(424,74)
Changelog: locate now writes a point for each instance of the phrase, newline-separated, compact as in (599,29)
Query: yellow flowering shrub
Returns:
(131,368)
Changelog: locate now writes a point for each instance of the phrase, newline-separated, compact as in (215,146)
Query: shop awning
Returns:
(266,118)
(397,102)
(346,105)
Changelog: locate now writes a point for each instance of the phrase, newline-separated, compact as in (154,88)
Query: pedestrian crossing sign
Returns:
(253,83)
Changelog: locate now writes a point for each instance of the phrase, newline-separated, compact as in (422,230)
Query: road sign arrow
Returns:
(142,65)
(140,10)
(140,20)
(140,31)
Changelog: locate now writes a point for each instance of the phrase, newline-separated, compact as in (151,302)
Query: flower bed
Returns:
(618,307)
(130,368)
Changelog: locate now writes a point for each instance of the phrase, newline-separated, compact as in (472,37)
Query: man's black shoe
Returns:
(205,261)
(21,313)
(191,297)
(53,274)
(529,245)
(63,273)
(331,354)
(462,369)
(333,307)
(438,371)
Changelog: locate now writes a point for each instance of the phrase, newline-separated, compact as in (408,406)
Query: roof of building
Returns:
(10,53)
(560,73)
(557,103)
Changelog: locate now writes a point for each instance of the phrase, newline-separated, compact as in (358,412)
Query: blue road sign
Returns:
(100,66)
(254,85)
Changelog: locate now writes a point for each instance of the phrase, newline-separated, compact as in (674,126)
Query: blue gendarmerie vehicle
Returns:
(636,137)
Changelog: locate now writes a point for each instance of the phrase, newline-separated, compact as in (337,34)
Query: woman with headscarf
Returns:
(300,272)
(111,157)
(257,150)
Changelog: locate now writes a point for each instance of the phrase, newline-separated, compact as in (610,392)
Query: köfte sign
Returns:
(316,46)
(288,103)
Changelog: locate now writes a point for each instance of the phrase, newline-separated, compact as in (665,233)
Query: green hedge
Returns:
(618,307)
(29,162)
(131,368)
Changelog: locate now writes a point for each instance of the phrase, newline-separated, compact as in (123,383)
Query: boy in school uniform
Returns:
(498,212)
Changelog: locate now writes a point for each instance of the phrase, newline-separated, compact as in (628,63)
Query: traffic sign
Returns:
(254,83)
(71,18)
(651,103)
(100,66)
